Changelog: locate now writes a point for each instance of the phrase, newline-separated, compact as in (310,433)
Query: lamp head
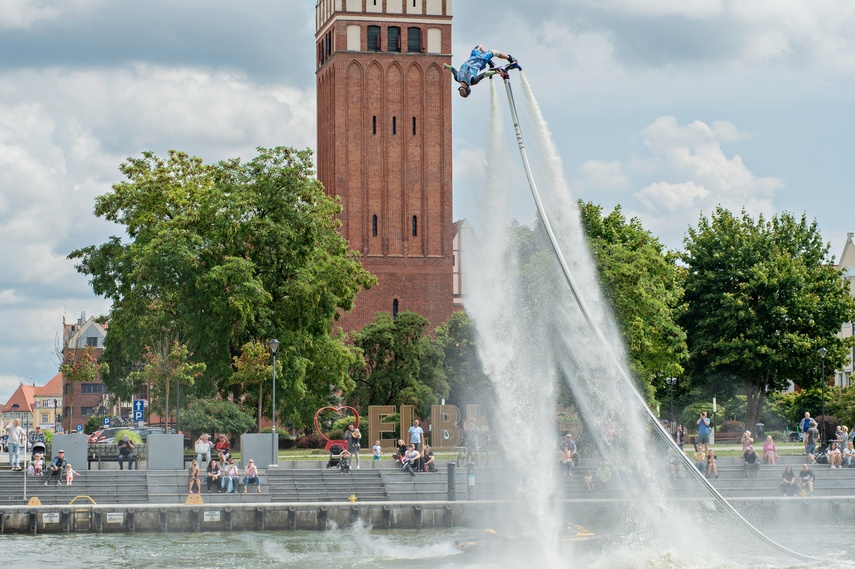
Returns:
(274,345)
(822,352)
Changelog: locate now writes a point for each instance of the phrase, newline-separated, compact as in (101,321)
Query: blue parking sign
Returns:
(138,415)
(106,421)
(79,428)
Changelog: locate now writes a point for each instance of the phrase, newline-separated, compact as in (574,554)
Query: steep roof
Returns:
(52,388)
(23,397)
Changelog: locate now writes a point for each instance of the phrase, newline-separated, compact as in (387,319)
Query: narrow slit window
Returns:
(374,124)
(415,226)
(395,308)
(414,126)
(374,225)
(394,125)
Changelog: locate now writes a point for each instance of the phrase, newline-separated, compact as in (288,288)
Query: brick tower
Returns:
(384,147)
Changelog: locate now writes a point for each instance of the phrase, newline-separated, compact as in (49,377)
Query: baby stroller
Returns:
(38,448)
(335,456)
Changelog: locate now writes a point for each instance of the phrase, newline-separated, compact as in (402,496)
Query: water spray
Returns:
(574,289)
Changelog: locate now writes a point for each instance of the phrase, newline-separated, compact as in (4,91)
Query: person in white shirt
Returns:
(15,442)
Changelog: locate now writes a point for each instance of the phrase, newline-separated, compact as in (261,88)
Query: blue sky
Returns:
(666,107)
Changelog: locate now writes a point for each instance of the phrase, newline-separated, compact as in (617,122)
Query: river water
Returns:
(363,547)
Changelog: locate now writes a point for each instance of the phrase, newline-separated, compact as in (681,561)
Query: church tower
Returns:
(384,147)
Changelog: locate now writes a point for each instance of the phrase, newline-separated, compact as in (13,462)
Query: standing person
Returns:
(806,480)
(126,453)
(747,441)
(416,433)
(352,436)
(475,68)
(14,442)
(788,482)
(203,449)
(804,424)
(770,452)
(193,477)
(377,450)
(69,474)
(470,441)
(679,434)
(56,467)
(704,431)
(811,436)
(38,443)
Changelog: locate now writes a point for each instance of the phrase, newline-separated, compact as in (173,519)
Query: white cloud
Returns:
(604,175)
(23,13)
(664,197)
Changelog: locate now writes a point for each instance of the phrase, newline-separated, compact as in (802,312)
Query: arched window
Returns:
(374,225)
(393,36)
(395,308)
(415,226)
(373,38)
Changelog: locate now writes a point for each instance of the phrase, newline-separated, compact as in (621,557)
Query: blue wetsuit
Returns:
(473,70)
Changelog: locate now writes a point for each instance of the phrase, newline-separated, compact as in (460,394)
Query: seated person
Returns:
(770,452)
(57,467)
(402,450)
(228,476)
(849,455)
(428,460)
(751,464)
(835,457)
(701,460)
(250,476)
(213,475)
(604,475)
(788,482)
(566,460)
(344,460)
(806,480)
(126,453)
(224,449)
(411,460)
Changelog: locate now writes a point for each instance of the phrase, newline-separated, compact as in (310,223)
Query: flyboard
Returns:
(503,72)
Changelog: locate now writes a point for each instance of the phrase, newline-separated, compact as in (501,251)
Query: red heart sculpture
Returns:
(337,410)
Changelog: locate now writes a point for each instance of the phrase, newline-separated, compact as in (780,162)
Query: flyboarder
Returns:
(476,68)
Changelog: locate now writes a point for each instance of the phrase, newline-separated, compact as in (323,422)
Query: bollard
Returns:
(132,519)
(470,481)
(452,483)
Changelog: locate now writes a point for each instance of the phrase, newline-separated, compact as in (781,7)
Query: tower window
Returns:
(394,125)
(415,226)
(373,38)
(414,126)
(394,38)
(395,308)
(414,40)
(374,124)
(374,225)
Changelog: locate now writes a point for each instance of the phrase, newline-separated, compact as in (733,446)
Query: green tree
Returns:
(80,366)
(253,368)
(761,297)
(219,255)
(467,382)
(643,284)
(402,365)
(164,364)
(216,416)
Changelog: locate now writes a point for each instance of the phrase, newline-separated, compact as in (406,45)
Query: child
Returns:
(402,450)
(701,460)
(193,477)
(39,464)
(344,461)
(69,474)
(377,450)
(589,480)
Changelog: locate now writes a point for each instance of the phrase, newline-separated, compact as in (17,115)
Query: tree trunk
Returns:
(755,397)
(259,406)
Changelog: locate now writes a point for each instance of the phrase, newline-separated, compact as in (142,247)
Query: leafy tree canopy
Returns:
(643,283)
(468,384)
(761,297)
(403,366)
(216,416)
(222,254)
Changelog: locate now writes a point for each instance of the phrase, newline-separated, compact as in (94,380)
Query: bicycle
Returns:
(482,458)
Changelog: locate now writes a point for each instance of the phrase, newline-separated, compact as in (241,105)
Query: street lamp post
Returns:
(274,345)
(671,382)
(822,352)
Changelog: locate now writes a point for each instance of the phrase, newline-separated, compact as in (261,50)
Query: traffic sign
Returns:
(79,428)
(139,405)
(138,416)
(106,421)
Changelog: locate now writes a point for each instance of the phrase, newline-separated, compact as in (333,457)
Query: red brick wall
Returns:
(390,171)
